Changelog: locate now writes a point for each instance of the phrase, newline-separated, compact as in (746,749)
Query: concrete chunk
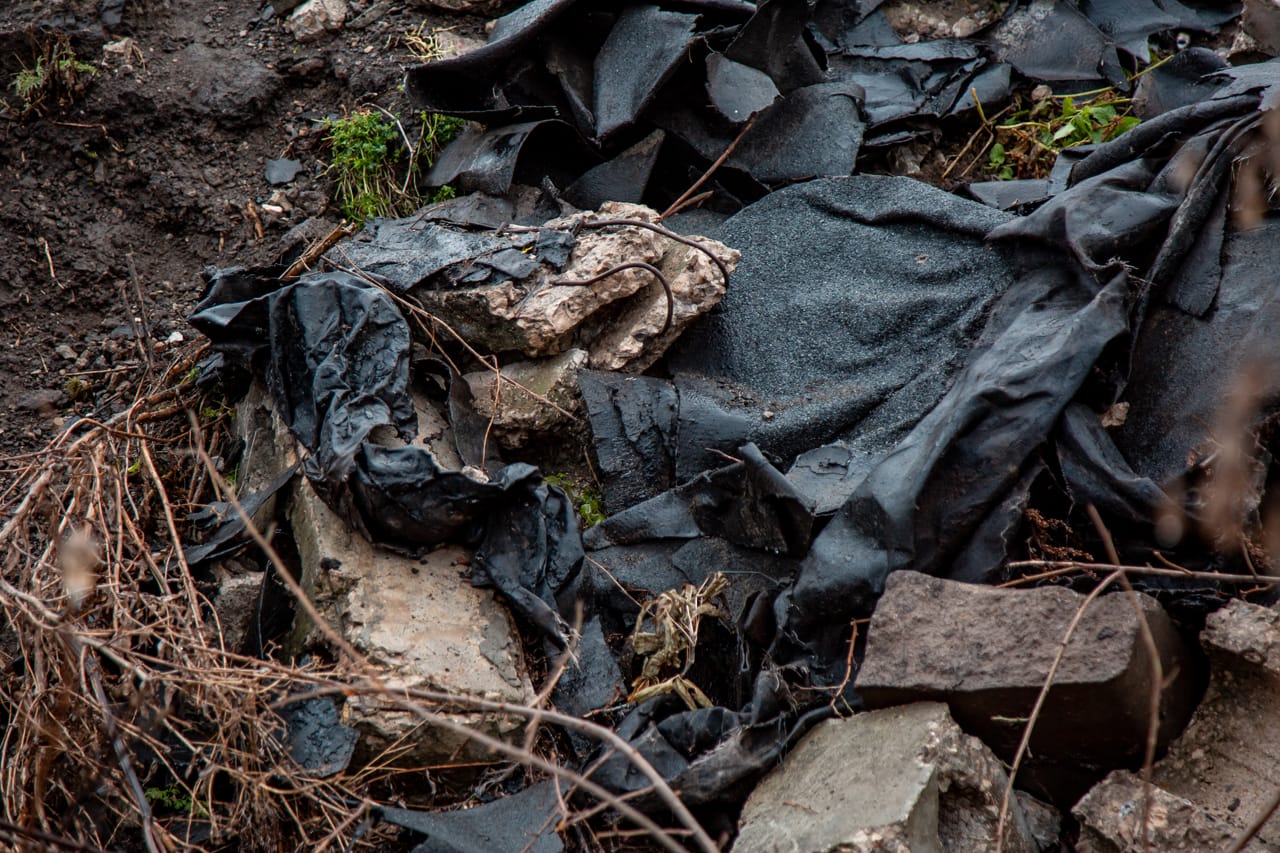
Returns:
(519,415)
(418,620)
(986,653)
(617,319)
(1110,818)
(1228,760)
(901,779)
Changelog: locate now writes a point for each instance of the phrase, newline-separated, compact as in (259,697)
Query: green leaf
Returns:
(1063,132)
(997,155)
(1124,125)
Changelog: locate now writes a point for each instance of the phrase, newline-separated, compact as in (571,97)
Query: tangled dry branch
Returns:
(129,721)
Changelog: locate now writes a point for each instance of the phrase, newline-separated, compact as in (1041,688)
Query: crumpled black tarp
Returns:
(896,375)
(334,353)
(567,87)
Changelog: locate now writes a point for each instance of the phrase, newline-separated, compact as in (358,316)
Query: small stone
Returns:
(519,414)
(316,18)
(1111,813)
(237,608)
(450,45)
(66,352)
(44,403)
(282,171)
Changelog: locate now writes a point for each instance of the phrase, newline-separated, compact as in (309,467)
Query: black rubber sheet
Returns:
(333,350)
(564,86)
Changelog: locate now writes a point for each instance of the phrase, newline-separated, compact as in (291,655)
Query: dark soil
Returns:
(112,203)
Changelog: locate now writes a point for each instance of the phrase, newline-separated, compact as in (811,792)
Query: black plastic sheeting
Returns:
(525,821)
(895,376)
(568,87)
(334,353)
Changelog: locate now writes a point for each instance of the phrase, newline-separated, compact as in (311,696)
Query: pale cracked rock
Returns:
(900,780)
(418,620)
(536,397)
(315,18)
(618,320)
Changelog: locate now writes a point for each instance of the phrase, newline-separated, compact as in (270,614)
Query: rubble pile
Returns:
(935,521)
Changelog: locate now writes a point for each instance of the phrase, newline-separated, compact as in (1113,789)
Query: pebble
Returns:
(66,352)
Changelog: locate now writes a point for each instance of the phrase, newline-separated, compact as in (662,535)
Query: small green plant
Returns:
(173,797)
(57,78)
(211,413)
(76,388)
(584,499)
(364,164)
(1027,143)
(376,169)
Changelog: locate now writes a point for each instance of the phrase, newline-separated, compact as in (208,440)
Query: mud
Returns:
(112,204)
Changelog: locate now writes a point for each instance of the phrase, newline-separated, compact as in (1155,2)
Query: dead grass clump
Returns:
(127,719)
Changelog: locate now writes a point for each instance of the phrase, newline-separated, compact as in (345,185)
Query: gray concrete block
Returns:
(418,620)
(986,653)
(900,779)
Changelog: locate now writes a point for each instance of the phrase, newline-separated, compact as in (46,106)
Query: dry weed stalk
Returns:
(118,679)
(118,682)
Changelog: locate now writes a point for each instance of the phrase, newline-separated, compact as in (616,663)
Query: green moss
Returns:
(55,79)
(76,388)
(376,173)
(584,499)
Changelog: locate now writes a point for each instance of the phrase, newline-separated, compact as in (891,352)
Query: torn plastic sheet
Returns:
(1052,40)
(1185,79)
(334,353)
(434,252)
(525,821)
(697,70)
(229,533)
(1132,23)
